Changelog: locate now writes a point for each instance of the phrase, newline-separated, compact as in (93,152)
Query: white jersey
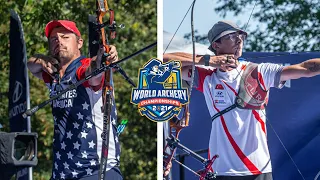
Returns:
(239,136)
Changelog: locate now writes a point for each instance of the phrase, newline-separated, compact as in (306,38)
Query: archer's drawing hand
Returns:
(225,61)
(49,64)
(222,61)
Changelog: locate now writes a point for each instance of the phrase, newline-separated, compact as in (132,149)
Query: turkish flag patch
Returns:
(219,86)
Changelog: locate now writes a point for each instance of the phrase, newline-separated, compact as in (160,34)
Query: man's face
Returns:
(64,45)
(230,44)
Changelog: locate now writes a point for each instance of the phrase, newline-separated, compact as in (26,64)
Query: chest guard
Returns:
(251,95)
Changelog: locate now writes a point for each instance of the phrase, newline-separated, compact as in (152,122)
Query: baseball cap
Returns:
(220,29)
(69,25)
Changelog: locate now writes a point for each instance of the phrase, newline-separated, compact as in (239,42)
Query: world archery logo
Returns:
(160,95)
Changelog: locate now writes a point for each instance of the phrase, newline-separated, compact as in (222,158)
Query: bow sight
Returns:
(112,27)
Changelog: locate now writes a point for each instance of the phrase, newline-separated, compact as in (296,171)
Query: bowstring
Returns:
(178,28)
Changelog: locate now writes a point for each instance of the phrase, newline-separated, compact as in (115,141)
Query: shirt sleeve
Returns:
(269,75)
(46,77)
(81,74)
(201,72)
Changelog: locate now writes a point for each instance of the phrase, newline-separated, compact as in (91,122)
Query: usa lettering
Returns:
(66,99)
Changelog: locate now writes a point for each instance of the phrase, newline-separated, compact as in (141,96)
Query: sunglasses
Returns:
(234,36)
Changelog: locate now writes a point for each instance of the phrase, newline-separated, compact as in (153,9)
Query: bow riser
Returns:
(102,9)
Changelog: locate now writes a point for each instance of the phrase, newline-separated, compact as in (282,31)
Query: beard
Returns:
(62,55)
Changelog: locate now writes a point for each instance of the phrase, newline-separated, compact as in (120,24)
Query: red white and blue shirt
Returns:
(239,136)
(78,124)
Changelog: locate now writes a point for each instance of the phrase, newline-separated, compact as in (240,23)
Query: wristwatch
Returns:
(206,58)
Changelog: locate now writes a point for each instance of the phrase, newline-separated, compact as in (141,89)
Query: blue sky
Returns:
(204,16)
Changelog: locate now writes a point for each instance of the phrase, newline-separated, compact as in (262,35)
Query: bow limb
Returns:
(176,124)
(193,51)
(203,173)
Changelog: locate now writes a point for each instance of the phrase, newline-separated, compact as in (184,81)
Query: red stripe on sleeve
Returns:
(81,71)
(202,74)
(260,78)
(46,77)
(81,74)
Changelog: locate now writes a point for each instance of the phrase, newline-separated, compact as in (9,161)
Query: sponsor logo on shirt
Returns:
(219,97)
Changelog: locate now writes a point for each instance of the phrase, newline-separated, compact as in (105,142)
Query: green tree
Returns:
(284,25)
(138,141)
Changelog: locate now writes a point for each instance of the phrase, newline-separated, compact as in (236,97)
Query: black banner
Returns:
(18,76)
(18,83)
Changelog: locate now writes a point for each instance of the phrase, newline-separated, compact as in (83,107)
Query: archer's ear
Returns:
(215,45)
(80,43)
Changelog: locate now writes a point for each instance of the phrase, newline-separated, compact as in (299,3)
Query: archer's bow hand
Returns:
(95,63)
(178,124)
(113,54)
(166,169)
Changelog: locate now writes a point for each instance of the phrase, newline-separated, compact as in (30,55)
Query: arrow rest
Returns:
(104,59)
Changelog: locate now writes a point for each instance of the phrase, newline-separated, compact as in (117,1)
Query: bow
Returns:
(102,10)
(176,125)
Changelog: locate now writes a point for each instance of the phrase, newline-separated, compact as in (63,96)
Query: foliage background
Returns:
(138,141)
(283,25)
